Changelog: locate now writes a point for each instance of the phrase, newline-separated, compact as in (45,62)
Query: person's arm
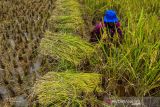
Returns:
(96,33)
(119,31)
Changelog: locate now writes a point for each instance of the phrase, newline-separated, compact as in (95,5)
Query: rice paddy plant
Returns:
(139,67)
(136,61)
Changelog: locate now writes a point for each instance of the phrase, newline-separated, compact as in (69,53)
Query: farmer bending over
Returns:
(111,24)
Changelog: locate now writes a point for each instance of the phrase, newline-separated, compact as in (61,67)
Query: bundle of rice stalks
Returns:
(65,7)
(69,24)
(66,17)
(65,46)
(69,89)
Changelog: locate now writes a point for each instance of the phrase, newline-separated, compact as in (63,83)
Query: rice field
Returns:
(46,58)
(22,25)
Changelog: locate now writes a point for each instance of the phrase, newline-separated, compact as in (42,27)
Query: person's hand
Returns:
(104,38)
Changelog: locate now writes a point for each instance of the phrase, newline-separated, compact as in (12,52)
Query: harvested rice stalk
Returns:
(57,89)
(66,46)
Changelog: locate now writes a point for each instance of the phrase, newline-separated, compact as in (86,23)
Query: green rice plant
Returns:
(93,9)
(67,89)
(65,46)
(136,61)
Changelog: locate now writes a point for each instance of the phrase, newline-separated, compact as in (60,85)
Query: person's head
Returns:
(110,17)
